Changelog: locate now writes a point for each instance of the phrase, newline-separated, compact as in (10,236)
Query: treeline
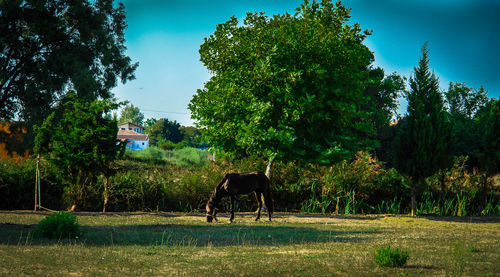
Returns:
(363,185)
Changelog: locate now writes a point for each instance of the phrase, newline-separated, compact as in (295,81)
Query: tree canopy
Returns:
(164,130)
(464,101)
(488,122)
(463,104)
(49,47)
(81,142)
(288,86)
(130,113)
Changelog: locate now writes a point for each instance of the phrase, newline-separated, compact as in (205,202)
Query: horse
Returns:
(233,184)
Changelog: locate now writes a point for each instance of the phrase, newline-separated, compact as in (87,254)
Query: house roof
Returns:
(131,135)
(131,124)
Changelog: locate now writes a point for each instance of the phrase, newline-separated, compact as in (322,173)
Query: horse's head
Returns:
(211,211)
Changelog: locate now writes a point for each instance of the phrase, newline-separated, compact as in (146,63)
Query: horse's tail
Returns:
(268,200)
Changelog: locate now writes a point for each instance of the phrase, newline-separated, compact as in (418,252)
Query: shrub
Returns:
(188,157)
(59,225)
(391,257)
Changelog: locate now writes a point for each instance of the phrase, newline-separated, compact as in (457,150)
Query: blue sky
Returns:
(164,37)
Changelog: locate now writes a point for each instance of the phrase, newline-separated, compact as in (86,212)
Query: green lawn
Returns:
(293,244)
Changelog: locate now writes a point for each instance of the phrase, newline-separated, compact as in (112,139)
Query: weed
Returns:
(59,225)
(388,257)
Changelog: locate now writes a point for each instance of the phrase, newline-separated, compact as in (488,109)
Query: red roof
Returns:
(131,135)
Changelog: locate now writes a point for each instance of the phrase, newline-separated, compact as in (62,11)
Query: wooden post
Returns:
(38,198)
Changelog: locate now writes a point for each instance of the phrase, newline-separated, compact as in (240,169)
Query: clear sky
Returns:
(164,37)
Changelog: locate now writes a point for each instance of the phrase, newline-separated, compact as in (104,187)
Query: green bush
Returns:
(59,225)
(388,257)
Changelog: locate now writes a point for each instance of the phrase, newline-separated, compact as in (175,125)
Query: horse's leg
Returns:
(215,212)
(232,209)
(269,202)
(259,201)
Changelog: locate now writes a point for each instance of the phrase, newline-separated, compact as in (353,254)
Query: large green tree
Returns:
(80,140)
(131,113)
(287,86)
(463,104)
(464,101)
(422,146)
(382,93)
(164,130)
(50,46)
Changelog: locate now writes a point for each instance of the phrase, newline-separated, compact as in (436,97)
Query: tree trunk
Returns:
(36,185)
(443,175)
(106,193)
(268,173)
(413,199)
(269,167)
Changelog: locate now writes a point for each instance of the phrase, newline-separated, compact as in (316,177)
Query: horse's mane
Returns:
(215,196)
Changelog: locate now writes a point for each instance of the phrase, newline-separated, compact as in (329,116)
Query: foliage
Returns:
(149,122)
(463,101)
(362,184)
(130,113)
(183,157)
(422,146)
(386,256)
(51,46)
(422,143)
(191,135)
(188,156)
(277,89)
(151,153)
(463,105)
(488,119)
(83,143)
(59,225)
(382,93)
(163,130)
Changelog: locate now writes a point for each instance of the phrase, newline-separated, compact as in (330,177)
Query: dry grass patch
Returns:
(143,244)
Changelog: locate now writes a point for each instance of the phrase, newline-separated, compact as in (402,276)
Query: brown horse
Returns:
(233,184)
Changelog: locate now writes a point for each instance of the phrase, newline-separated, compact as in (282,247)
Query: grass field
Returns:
(153,244)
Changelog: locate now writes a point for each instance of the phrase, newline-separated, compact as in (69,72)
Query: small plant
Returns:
(59,225)
(386,256)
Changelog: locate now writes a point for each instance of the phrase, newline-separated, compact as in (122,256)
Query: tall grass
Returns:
(184,157)
(182,180)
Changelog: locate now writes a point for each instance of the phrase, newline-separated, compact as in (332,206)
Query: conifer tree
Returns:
(422,145)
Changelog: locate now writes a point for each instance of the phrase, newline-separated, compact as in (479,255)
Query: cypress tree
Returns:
(422,145)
